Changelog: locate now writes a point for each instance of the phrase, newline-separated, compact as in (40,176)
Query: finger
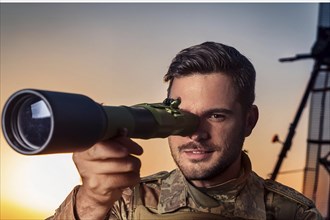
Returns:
(112,166)
(104,150)
(123,132)
(132,146)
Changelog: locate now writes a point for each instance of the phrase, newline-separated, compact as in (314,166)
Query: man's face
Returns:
(218,141)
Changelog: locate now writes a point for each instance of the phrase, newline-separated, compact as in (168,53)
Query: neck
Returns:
(232,172)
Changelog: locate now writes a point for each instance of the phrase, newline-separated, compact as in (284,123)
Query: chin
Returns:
(198,173)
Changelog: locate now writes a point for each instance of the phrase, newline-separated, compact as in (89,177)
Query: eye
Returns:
(217,117)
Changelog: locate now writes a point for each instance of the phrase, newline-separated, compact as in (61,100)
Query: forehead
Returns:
(204,91)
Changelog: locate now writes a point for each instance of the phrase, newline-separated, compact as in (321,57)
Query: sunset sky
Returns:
(118,53)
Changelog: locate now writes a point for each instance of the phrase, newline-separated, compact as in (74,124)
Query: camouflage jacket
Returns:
(168,195)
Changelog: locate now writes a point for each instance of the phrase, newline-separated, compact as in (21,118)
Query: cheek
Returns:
(219,135)
(226,131)
(175,141)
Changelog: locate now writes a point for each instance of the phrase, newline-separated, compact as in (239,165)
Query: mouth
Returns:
(197,154)
(198,151)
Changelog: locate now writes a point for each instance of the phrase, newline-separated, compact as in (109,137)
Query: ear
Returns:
(251,120)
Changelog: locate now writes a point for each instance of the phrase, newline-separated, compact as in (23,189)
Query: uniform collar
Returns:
(176,191)
(173,193)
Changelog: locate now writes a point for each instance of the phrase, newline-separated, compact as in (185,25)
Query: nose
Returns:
(201,134)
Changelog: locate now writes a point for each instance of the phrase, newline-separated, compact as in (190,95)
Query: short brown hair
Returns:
(210,57)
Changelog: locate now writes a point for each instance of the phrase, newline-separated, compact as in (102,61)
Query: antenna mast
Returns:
(317,171)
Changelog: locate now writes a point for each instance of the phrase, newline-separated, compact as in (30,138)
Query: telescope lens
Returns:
(34,122)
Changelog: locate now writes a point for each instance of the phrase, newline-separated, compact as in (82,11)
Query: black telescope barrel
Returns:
(46,122)
(76,122)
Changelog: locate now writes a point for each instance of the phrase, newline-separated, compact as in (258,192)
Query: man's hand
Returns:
(106,169)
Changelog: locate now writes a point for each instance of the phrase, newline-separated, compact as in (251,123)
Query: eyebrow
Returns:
(217,110)
(214,110)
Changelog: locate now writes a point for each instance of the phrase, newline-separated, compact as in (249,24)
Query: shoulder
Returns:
(149,189)
(158,180)
(145,193)
(286,193)
(152,181)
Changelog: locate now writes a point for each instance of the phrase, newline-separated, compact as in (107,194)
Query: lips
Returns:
(198,151)
(197,155)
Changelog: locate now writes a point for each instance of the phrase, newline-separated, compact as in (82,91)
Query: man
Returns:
(214,179)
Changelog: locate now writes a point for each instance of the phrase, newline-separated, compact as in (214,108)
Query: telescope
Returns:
(47,122)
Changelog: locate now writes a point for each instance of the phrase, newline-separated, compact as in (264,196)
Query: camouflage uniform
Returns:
(168,195)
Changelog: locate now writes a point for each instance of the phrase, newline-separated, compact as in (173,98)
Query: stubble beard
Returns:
(205,169)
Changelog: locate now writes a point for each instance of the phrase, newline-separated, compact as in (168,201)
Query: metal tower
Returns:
(316,183)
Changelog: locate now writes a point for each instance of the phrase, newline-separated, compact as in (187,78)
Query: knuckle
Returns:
(92,152)
(133,164)
(137,164)
(100,186)
(92,184)
(75,157)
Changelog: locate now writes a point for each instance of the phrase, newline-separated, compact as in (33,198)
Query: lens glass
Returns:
(34,122)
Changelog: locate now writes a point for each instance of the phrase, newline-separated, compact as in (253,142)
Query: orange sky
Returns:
(118,53)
